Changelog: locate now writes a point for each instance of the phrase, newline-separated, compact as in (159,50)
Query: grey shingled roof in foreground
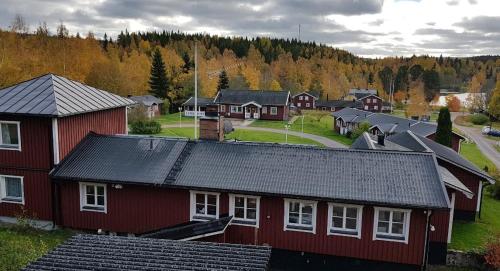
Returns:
(125,159)
(192,230)
(370,142)
(94,252)
(262,97)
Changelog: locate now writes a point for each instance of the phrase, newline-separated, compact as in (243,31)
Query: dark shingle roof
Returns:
(98,252)
(262,97)
(370,142)
(192,230)
(146,100)
(339,103)
(201,101)
(127,159)
(55,96)
(452,181)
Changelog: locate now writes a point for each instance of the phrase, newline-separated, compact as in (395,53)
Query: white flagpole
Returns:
(195,89)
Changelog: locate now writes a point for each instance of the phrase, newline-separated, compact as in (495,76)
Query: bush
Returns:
(495,189)
(492,256)
(145,127)
(363,127)
(479,119)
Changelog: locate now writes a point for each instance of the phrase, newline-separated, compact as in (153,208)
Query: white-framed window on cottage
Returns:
(244,209)
(366,107)
(204,205)
(10,135)
(236,109)
(344,220)
(375,107)
(223,108)
(93,197)
(308,105)
(391,224)
(11,189)
(300,98)
(300,215)
(307,98)
(264,110)
(274,110)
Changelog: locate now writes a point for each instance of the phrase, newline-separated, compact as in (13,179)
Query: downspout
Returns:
(426,246)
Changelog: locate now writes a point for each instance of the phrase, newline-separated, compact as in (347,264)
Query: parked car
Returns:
(487,130)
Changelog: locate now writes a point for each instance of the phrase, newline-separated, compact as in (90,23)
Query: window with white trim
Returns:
(301,98)
(307,98)
(11,189)
(204,205)
(300,215)
(344,220)
(93,197)
(308,105)
(299,104)
(366,107)
(244,209)
(375,107)
(236,109)
(274,110)
(223,108)
(264,110)
(10,135)
(391,224)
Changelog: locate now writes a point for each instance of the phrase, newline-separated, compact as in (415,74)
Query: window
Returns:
(264,110)
(10,135)
(299,104)
(391,224)
(366,107)
(204,205)
(301,98)
(236,109)
(375,107)
(307,98)
(344,220)
(93,197)
(223,108)
(308,105)
(244,209)
(274,110)
(11,189)
(300,215)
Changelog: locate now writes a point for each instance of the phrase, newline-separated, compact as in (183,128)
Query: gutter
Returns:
(481,193)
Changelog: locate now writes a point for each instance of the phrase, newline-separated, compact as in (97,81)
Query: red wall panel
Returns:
(455,141)
(282,113)
(462,203)
(73,129)
(138,209)
(440,220)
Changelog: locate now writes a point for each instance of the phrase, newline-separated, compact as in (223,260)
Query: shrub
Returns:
(495,189)
(137,113)
(492,256)
(479,119)
(363,127)
(145,127)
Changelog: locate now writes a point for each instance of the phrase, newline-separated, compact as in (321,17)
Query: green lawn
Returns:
(261,136)
(178,132)
(171,119)
(312,125)
(18,248)
(473,154)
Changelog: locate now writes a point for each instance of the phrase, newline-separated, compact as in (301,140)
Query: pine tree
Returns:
(443,131)
(105,42)
(223,81)
(158,81)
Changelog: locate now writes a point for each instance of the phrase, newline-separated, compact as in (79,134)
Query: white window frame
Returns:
(344,231)
(223,108)
(264,110)
(366,107)
(406,225)
(301,98)
(275,109)
(244,221)
(3,190)
(299,104)
(308,104)
(375,107)
(296,226)
(13,147)
(197,217)
(84,207)
(236,109)
(307,98)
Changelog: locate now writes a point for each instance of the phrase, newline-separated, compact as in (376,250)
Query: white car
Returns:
(486,130)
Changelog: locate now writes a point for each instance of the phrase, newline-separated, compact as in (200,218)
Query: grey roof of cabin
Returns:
(55,96)
(370,142)
(147,100)
(262,97)
(452,181)
(310,93)
(201,101)
(393,179)
(362,91)
(339,103)
(125,159)
(364,95)
(420,143)
(100,252)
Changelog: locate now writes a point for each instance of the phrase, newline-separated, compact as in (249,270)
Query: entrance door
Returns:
(255,112)
(247,112)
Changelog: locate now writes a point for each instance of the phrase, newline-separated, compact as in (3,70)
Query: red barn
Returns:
(251,193)
(305,100)
(41,120)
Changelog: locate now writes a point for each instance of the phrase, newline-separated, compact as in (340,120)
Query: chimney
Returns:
(381,139)
(212,126)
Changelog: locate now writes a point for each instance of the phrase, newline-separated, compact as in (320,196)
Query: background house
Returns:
(305,100)
(336,105)
(152,104)
(188,106)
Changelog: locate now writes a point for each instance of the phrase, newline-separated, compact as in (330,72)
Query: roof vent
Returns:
(381,139)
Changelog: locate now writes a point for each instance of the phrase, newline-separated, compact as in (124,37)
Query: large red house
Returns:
(41,120)
(305,100)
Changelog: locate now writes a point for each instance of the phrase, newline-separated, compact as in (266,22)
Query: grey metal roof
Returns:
(201,101)
(125,159)
(262,97)
(377,177)
(362,91)
(55,96)
(147,100)
(452,181)
(100,252)
(339,103)
(370,142)
(310,93)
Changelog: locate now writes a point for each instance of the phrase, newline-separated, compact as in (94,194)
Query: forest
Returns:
(122,64)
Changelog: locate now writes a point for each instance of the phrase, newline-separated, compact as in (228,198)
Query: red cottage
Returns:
(41,120)
(305,100)
(249,193)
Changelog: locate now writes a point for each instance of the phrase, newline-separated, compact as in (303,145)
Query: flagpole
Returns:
(195,89)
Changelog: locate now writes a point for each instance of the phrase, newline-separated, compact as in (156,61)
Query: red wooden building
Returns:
(41,120)
(305,100)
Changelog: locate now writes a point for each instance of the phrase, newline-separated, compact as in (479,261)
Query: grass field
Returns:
(312,125)
(172,119)
(473,154)
(18,248)
(261,136)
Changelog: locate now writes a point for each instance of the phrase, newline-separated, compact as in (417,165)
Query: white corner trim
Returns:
(55,140)
(479,196)
(452,213)
(406,225)
(359,219)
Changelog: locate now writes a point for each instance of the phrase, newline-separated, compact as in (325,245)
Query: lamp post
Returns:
(302,123)
(286,133)
(180,117)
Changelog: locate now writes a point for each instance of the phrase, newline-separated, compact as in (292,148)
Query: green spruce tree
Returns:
(443,131)
(223,81)
(158,81)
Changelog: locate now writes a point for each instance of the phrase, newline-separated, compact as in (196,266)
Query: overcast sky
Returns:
(369,28)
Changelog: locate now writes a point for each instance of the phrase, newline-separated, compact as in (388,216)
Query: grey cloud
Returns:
(484,24)
(472,2)
(453,2)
